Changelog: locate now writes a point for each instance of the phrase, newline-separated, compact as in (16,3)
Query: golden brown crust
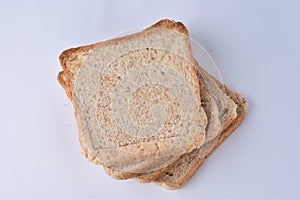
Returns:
(74,56)
(171,24)
(65,80)
(242,108)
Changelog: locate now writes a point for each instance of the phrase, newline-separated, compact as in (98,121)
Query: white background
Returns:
(255,44)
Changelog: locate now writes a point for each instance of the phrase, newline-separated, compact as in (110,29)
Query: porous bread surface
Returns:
(178,176)
(96,83)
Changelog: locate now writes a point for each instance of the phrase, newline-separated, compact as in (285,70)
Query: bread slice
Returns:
(113,86)
(226,111)
(178,176)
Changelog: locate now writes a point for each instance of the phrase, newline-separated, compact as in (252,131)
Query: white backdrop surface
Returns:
(255,44)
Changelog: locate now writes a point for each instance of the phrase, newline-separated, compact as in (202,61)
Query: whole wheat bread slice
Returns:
(178,176)
(92,75)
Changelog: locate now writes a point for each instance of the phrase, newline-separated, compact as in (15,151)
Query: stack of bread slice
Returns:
(145,108)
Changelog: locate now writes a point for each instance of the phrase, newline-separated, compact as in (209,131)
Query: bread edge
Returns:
(226,133)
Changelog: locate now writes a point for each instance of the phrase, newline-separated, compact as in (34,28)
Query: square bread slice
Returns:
(136,98)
